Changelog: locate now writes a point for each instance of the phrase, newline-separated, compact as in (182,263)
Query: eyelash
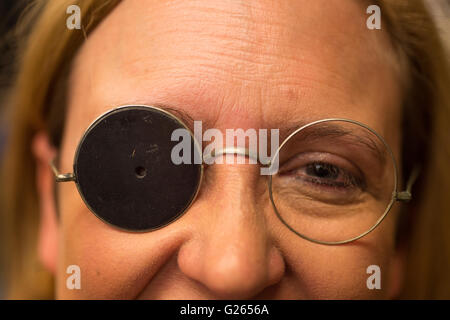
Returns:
(350,180)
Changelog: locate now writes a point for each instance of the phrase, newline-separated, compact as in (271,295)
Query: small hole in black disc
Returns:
(141,172)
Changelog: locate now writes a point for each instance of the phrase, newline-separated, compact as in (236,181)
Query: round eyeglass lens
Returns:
(125,172)
(335,181)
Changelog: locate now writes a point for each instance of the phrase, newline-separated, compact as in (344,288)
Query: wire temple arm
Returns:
(61,177)
(406,196)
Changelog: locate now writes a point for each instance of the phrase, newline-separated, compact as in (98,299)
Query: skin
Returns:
(252,64)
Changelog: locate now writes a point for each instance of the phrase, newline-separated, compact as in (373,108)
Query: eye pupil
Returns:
(323,170)
(141,172)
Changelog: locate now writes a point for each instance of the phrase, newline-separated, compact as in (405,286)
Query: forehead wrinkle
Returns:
(236,37)
(301,72)
(244,51)
(284,32)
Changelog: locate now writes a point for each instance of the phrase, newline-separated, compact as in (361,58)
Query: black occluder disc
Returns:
(125,173)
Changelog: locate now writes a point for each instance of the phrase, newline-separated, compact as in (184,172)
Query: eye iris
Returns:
(323,170)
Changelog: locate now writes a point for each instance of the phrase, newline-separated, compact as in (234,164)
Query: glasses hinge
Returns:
(404,196)
(65,177)
(61,177)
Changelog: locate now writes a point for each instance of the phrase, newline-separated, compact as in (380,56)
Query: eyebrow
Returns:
(331,130)
(177,112)
(182,115)
(325,130)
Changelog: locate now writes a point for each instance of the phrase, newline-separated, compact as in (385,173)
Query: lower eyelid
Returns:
(326,182)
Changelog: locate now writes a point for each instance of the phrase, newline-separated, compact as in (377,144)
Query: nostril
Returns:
(241,269)
(141,172)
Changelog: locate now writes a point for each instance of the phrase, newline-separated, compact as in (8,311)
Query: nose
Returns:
(231,252)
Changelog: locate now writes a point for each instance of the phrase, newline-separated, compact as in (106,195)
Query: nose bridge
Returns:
(238,194)
(236,183)
(234,255)
(234,201)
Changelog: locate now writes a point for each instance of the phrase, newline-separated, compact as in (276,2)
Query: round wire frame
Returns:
(135,107)
(377,223)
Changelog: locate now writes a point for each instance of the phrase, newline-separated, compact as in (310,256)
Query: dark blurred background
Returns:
(9,14)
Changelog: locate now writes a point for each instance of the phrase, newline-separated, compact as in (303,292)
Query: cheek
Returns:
(114,264)
(327,272)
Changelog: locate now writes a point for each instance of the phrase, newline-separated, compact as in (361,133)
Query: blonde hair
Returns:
(38,102)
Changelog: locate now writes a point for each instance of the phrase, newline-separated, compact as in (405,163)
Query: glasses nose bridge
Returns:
(238,171)
(237,157)
(231,153)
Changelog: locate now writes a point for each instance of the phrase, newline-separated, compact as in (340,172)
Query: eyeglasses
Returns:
(334,182)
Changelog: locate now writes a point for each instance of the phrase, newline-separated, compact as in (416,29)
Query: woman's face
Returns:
(253,64)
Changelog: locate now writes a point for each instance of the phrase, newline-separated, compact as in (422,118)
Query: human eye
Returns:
(322,177)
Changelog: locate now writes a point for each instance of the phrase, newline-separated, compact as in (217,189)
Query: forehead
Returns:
(239,64)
